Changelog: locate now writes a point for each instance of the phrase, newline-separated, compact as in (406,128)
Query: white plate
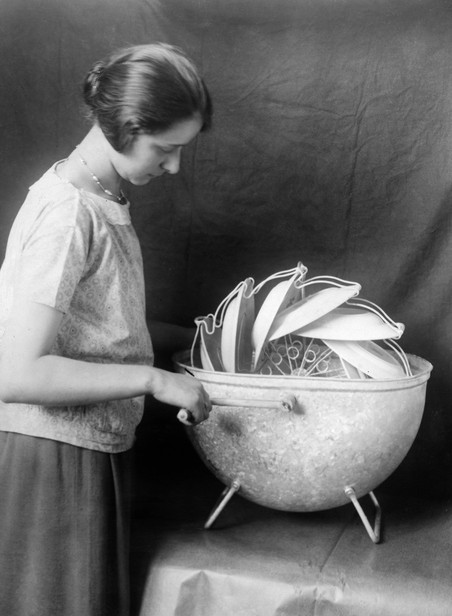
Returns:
(345,323)
(281,296)
(210,344)
(311,308)
(351,371)
(236,352)
(368,357)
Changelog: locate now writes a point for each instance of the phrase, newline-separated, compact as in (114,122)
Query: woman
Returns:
(76,358)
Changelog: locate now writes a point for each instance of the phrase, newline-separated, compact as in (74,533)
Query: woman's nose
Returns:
(172,162)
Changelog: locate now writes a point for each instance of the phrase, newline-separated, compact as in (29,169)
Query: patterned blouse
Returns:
(79,253)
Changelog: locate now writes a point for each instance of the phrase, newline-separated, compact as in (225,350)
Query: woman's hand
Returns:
(29,374)
(182,391)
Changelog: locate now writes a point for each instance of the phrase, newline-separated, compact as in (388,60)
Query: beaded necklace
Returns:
(121,199)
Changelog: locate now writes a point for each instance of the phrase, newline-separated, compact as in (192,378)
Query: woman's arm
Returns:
(29,374)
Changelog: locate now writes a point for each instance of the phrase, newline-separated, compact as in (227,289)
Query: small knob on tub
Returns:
(288,402)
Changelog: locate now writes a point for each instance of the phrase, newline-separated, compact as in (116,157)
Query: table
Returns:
(261,562)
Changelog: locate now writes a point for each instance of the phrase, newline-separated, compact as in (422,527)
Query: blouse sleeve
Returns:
(54,255)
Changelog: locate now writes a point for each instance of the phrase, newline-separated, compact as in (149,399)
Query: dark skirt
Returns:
(64,529)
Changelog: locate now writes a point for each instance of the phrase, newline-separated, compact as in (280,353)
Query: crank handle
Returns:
(187,418)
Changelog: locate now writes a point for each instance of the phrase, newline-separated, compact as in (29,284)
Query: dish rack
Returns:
(315,327)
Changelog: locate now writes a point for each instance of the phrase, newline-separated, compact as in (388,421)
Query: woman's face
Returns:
(150,156)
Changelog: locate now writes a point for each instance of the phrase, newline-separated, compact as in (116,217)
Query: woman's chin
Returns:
(142,181)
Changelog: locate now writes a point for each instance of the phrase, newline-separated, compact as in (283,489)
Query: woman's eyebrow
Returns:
(167,144)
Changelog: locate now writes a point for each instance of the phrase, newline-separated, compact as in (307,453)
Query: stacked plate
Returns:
(304,327)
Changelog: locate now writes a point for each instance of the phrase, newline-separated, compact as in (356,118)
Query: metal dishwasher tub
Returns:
(306,444)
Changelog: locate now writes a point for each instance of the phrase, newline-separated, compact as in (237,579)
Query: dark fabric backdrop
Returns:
(331,145)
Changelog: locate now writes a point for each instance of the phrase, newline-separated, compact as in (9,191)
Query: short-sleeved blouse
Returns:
(79,253)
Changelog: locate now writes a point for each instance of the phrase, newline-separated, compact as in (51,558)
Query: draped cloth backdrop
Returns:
(331,145)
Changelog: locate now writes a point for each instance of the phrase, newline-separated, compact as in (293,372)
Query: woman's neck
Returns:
(89,167)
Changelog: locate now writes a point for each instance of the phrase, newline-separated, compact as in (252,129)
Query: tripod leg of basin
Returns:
(374,533)
(225,497)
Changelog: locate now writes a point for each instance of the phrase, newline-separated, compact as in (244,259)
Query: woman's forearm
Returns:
(53,380)
(30,374)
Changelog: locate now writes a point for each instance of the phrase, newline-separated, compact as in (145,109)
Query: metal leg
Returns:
(374,533)
(225,497)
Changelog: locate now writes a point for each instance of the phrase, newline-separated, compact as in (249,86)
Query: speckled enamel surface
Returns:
(342,433)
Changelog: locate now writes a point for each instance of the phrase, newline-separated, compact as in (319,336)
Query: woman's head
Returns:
(145,89)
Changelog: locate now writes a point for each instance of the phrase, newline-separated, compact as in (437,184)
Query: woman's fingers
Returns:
(185,392)
(201,413)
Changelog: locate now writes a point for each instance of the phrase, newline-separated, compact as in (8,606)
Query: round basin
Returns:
(296,443)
